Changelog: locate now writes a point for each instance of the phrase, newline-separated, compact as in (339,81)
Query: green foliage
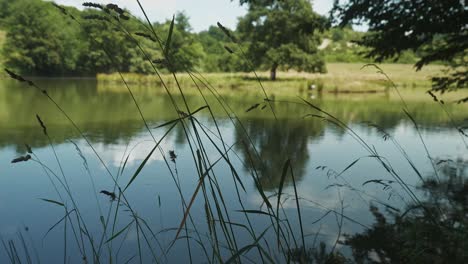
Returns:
(279,35)
(4,11)
(435,30)
(283,34)
(340,45)
(138,62)
(184,53)
(101,37)
(39,41)
(404,25)
(218,59)
(211,43)
(42,41)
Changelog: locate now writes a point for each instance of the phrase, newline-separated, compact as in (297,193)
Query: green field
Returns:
(341,77)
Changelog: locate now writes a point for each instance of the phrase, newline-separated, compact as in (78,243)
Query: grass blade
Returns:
(58,222)
(120,232)
(200,182)
(246,248)
(169,37)
(262,193)
(256,212)
(280,189)
(137,172)
(298,207)
(52,201)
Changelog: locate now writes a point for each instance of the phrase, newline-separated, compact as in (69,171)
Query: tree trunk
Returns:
(273,72)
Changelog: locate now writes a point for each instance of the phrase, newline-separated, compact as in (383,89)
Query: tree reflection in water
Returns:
(433,232)
(275,142)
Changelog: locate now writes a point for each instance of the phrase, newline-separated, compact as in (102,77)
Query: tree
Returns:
(185,53)
(101,34)
(282,34)
(211,40)
(38,40)
(4,5)
(436,30)
(214,41)
(41,40)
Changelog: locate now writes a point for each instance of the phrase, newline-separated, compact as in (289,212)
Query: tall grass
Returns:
(220,243)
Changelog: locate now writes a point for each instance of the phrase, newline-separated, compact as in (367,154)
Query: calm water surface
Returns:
(109,119)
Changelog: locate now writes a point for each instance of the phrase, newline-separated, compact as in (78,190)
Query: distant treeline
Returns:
(40,40)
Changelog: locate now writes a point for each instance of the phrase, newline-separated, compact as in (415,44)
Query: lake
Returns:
(242,161)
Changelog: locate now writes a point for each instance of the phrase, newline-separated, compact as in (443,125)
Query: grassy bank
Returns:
(341,77)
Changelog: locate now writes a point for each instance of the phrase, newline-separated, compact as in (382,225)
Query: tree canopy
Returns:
(282,34)
(217,58)
(4,5)
(285,34)
(436,30)
(42,41)
(185,52)
(38,40)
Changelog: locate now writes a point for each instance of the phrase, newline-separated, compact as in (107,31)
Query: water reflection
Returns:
(276,141)
(107,113)
(111,122)
(433,231)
